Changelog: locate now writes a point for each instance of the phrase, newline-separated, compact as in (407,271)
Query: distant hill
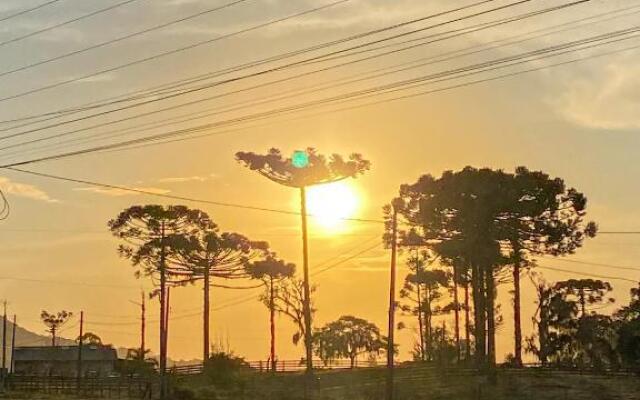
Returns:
(25,337)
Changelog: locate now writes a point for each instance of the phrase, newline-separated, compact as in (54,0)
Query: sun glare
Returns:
(330,203)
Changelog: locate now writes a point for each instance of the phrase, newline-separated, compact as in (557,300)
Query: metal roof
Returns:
(65,353)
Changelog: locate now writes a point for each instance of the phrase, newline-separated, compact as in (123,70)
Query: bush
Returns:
(225,369)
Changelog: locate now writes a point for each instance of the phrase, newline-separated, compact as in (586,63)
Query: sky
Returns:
(578,121)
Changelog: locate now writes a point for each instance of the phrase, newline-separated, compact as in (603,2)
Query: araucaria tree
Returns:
(271,271)
(304,169)
(567,334)
(54,321)
(543,217)
(421,291)
(488,219)
(348,337)
(209,254)
(153,234)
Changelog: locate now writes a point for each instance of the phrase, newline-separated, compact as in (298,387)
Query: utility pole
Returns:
(4,346)
(306,304)
(79,370)
(143,322)
(392,300)
(166,322)
(13,344)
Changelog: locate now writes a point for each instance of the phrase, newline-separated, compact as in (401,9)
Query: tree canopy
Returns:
(319,169)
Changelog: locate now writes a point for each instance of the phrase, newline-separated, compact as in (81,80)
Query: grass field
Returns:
(417,383)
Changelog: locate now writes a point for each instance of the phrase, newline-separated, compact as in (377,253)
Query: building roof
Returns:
(65,353)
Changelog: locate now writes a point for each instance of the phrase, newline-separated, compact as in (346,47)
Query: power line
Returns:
(61,24)
(297,92)
(581,262)
(19,13)
(71,283)
(122,38)
(174,197)
(254,63)
(615,278)
(618,232)
(218,83)
(177,93)
(170,52)
(376,91)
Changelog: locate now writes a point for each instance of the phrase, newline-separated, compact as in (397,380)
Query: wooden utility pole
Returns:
(13,344)
(306,304)
(4,346)
(166,323)
(79,366)
(392,303)
(4,342)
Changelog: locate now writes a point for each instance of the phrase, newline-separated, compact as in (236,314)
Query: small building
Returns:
(99,361)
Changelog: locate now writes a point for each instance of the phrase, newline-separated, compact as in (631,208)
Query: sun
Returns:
(330,203)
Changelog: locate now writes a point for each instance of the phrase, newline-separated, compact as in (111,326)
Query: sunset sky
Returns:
(578,121)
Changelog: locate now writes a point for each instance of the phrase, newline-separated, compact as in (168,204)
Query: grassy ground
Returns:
(419,384)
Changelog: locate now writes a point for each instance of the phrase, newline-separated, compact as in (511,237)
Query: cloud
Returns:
(194,178)
(114,192)
(609,99)
(24,190)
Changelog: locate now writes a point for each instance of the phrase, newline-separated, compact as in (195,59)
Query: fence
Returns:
(113,388)
(283,366)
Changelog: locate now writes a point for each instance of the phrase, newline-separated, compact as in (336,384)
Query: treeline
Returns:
(481,227)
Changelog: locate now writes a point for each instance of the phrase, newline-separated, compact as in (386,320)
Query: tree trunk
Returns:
(491,323)
(272,321)
(543,326)
(517,323)
(53,337)
(479,316)
(428,328)
(205,315)
(163,336)
(420,321)
(456,312)
(467,323)
(583,303)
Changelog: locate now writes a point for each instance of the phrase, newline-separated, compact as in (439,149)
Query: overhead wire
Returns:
(439,37)
(132,95)
(65,23)
(169,52)
(358,95)
(178,93)
(122,38)
(28,10)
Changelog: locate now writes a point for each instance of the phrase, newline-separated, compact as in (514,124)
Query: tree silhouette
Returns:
(271,271)
(153,235)
(544,217)
(585,292)
(567,335)
(484,220)
(288,300)
(305,169)
(348,337)
(53,322)
(208,254)
(90,339)
(628,321)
